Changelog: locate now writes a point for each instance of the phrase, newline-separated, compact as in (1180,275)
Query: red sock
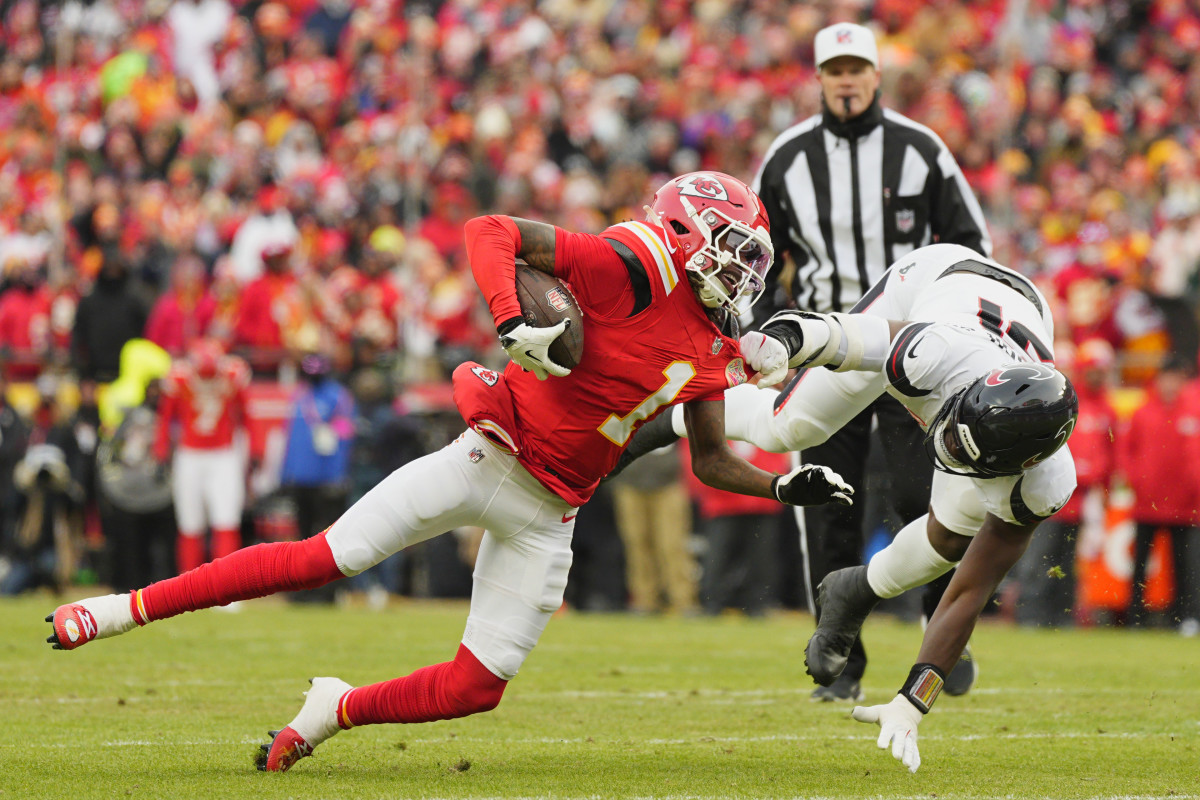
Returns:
(189,552)
(253,572)
(442,691)
(225,541)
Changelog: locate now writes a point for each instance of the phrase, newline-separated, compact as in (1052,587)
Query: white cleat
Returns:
(316,722)
(76,624)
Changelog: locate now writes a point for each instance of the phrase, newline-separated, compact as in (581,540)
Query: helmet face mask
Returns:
(724,234)
(1004,423)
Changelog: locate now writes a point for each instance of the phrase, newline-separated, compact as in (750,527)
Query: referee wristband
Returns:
(924,684)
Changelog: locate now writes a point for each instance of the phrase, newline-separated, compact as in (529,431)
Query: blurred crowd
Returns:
(291,177)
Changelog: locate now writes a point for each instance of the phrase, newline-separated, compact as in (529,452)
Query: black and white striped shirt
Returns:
(847,199)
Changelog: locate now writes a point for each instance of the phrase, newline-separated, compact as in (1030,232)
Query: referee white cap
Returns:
(846,39)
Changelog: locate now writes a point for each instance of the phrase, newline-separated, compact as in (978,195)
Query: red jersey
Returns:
(1092,447)
(569,432)
(209,410)
(1157,450)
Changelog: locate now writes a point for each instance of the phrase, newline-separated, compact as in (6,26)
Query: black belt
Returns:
(1013,281)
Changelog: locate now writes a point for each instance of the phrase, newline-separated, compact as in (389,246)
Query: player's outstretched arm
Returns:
(716,465)
(989,557)
(841,342)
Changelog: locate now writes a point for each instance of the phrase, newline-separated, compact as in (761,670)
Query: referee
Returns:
(848,192)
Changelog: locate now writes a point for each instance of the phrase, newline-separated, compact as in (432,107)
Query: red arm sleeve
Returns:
(492,244)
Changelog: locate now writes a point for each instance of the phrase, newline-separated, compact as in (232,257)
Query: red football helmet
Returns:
(724,234)
(205,356)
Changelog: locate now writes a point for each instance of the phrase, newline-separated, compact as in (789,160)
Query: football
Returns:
(545,300)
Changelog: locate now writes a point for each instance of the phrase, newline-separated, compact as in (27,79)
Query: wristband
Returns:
(504,328)
(923,686)
(775,488)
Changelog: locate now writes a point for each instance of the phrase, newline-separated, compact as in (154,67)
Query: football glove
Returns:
(529,348)
(897,722)
(767,356)
(812,485)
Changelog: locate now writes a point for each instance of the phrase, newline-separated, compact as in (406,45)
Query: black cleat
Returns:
(844,599)
(844,689)
(264,751)
(962,676)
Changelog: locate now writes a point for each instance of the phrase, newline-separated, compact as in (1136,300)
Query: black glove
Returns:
(812,485)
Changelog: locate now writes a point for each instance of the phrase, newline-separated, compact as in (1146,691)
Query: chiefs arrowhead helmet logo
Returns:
(705,186)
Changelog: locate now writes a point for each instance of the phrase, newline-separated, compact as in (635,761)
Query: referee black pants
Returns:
(831,536)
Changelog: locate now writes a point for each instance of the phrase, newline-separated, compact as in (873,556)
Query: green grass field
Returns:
(607,707)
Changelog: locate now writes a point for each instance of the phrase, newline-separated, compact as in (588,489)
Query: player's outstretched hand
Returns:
(812,485)
(897,722)
(767,356)
(529,348)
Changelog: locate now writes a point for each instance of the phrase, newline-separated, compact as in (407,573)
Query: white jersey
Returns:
(969,316)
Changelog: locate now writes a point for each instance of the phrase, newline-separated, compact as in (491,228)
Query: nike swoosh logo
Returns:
(565,518)
(532,356)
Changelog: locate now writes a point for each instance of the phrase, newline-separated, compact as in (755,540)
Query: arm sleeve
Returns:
(956,217)
(597,275)
(492,245)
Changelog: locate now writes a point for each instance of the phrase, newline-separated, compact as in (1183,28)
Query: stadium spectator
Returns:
(271,311)
(1158,457)
(135,494)
(269,229)
(107,317)
(1046,573)
(316,461)
(654,520)
(24,319)
(47,535)
(183,313)
(740,533)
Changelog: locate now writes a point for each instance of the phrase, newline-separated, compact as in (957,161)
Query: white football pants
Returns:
(521,570)
(209,489)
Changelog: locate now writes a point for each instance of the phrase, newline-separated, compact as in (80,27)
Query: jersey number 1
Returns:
(618,429)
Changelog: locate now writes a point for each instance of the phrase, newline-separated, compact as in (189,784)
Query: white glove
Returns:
(529,347)
(898,722)
(767,356)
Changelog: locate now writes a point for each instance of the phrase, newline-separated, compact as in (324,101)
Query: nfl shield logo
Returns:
(735,373)
(717,345)
(557,299)
(845,36)
(906,220)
